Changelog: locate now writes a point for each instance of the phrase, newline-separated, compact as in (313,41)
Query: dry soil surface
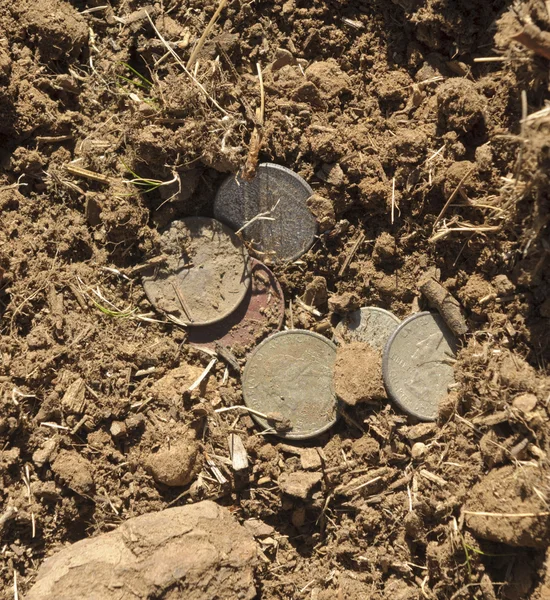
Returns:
(423,127)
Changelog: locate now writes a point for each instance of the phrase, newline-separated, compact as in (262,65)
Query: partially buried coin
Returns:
(290,375)
(205,274)
(417,365)
(261,311)
(369,324)
(272,210)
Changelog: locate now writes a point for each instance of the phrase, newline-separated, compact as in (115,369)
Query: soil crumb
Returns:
(176,462)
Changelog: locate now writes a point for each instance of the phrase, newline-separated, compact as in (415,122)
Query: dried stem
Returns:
(205,34)
(452,197)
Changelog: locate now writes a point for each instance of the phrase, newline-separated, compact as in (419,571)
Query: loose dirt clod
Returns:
(358,374)
(198,550)
(75,471)
(298,484)
(508,507)
(343,303)
(176,463)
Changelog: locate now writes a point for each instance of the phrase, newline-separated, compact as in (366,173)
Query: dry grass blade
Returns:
(251,164)
(262,94)
(445,231)
(507,515)
(86,173)
(185,69)
(263,216)
(452,197)
(205,34)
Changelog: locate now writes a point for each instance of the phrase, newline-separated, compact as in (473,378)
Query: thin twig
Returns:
(245,408)
(473,229)
(310,309)
(15,588)
(392,199)
(202,376)
(524,114)
(349,257)
(452,197)
(183,304)
(262,94)
(75,170)
(485,59)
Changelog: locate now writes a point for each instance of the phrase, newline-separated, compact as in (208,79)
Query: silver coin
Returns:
(287,227)
(290,374)
(205,275)
(417,365)
(369,324)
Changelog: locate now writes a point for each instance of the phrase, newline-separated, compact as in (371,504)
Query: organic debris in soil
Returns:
(423,129)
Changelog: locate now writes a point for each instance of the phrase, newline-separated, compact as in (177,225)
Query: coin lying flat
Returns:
(417,365)
(261,311)
(287,227)
(369,324)
(290,374)
(205,274)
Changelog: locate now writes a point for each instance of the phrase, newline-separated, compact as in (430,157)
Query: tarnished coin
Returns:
(276,198)
(261,311)
(205,274)
(290,375)
(417,365)
(369,324)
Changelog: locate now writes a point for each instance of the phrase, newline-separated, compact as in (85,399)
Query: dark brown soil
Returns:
(383,109)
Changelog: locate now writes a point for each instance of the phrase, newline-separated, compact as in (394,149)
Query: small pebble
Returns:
(118,429)
(525,402)
(418,450)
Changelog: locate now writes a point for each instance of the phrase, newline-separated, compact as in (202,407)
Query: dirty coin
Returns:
(417,365)
(204,275)
(271,210)
(369,324)
(290,374)
(260,312)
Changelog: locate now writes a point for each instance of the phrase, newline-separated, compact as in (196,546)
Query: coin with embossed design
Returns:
(271,212)
(204,274)
(417,364)
(369,324)
(288,378)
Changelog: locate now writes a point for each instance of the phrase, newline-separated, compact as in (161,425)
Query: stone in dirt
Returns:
(358,374)
(310,459)
(41,456)
(510,490)
(298,484)
(525,402)
(323,210)
(195,552)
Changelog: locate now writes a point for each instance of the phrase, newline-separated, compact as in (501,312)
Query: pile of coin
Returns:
(205,280)
(204,277)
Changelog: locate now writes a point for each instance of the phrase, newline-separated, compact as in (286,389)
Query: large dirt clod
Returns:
(194,552)
(500,500)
